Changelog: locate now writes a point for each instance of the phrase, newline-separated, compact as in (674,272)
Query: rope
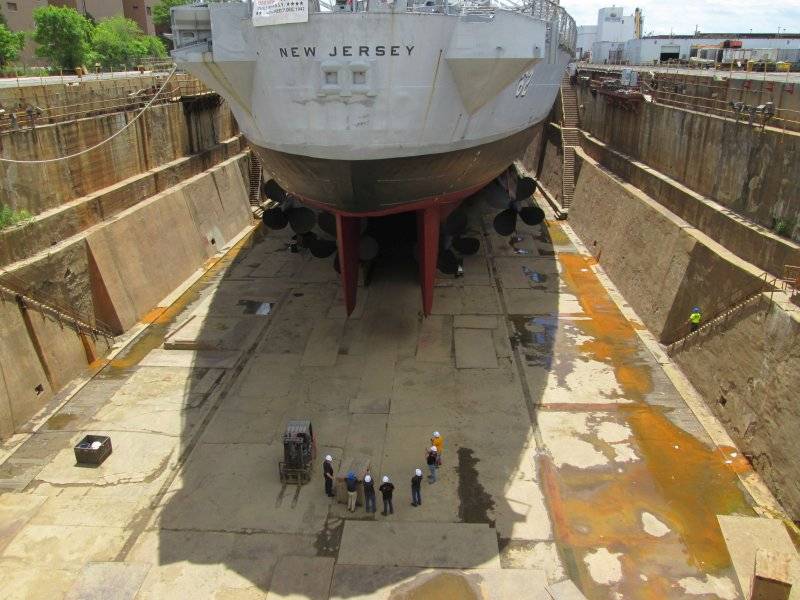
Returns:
(105,141)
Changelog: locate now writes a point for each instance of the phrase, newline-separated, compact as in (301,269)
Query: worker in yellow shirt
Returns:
(438,441)
(694,319)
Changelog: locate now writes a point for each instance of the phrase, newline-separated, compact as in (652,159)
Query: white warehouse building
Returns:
(614,28)
(665,47)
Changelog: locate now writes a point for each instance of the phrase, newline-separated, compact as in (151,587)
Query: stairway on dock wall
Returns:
(570,139)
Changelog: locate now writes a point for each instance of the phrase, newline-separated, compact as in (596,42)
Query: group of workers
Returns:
(433,458)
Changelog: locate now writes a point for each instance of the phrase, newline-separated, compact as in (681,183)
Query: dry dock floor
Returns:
(568,451)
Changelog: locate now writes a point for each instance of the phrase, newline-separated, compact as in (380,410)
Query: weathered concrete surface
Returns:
(161,135)
(115,271)
(661,265)
(753,173)
(61,222)
(746,535)
(192,488)
(747,372)
(749,241)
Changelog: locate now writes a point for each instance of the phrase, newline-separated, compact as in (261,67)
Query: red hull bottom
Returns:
(430,214)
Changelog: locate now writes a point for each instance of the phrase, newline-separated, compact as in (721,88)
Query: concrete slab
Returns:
(217,333)
(355,582)
(44,545)
(474,322)
(442,545)
(435,339)
(322,348)
(200,359)
(474,349)
(99,581)
(15,511)
(24,582)
(744,536)
(565,590)
(301,577)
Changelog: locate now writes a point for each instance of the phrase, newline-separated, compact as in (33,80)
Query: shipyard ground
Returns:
(570,450)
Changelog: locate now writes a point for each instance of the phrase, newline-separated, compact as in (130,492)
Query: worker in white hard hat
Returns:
(416,485)
(432,460)
(369,494)
(438,441)
(327,472)
(387,487)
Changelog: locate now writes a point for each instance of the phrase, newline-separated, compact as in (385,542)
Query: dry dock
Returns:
(569,451)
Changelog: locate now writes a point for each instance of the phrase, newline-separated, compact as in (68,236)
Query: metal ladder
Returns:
(256,175)
(570,139)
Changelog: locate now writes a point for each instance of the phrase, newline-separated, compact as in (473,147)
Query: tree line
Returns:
(68,39)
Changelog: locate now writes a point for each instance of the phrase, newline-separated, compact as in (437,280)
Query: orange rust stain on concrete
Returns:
(678,479)
(614,340)
(442,586)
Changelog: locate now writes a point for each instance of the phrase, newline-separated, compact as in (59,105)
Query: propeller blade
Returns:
(368,248)
(448,262)
(466,245)
(322,248)
(308,239)
(525,188)
(456,223)
(275,218)
(302,219)
(273,191)
(531,215)
(327,222)
(506,222)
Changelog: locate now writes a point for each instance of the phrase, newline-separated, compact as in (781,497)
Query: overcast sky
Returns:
(709,15)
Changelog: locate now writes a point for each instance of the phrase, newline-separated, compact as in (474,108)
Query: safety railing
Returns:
(543,10)
(16,288)
(734,305)
(26,115)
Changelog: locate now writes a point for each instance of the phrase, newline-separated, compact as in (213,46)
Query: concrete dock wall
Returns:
(661,265)
(163,134)
(751,172)
(115,271)
(751,242)
(747,372)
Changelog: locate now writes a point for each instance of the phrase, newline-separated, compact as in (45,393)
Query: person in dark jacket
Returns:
(369,494)
(416,492)
(432,459)
(387,487)
(327,472)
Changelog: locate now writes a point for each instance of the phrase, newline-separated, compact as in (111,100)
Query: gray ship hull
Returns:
(384,186)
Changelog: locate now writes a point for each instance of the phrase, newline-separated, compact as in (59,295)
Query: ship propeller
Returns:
(275,218)
(454,228)
(505,223)
(301,219)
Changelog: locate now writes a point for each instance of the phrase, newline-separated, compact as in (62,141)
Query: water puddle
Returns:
(601,515)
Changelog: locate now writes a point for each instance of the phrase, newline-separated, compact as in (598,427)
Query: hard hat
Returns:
(696,309)
(385,479)
(433,449)
(418,471)
(435,434)
(367,478)
(328,457)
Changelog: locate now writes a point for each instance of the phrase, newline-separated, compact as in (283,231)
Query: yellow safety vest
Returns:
(695,318)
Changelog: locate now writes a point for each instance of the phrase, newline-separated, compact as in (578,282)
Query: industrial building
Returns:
(605,41)
(667,47)
(19,15)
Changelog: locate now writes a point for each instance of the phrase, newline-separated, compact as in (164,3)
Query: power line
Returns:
(105,141)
